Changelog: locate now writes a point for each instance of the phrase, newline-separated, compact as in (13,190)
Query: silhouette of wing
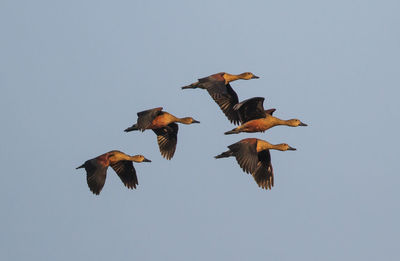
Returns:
(126,172)
(96,174)
(225,97)
(246,155)
(167,138)
(250,109)
(264,173)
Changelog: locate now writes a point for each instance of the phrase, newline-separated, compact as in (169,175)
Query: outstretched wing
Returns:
(250,109)
(264,173)
(246,155)
(225,97)
(95,175)
(126,172)
(145,118)
(167,137)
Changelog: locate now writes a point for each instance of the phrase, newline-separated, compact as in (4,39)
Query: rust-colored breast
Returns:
(161,121)
(103,159)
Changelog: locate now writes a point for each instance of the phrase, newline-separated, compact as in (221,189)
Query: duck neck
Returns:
(263,145)
(276,121)
(117,156)
(231,77)
(168,118)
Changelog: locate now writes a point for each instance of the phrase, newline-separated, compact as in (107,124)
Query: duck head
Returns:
(248,76)
(295,123)
(140,158)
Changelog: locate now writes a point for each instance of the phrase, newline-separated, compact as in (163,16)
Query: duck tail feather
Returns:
(132,128)
(191,86)
(225,154)
(234,131)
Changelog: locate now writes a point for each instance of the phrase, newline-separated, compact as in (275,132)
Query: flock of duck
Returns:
(252,154)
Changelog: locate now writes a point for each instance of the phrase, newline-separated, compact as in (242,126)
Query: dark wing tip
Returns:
(95,192)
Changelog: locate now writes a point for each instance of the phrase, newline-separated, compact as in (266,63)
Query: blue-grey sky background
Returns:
(73,74)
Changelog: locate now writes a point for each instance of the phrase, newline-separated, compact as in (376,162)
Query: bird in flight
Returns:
(164,126)
(219,88)
(254,157)
(96,169)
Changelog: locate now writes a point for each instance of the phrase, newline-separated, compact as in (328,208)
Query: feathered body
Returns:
(164,126)
(254,118)
(219,88)
(253,157)
(96,169)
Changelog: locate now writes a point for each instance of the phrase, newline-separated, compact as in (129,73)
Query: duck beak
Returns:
(194,121)
(302,124)
(291,148)
(146,160)
(255,77)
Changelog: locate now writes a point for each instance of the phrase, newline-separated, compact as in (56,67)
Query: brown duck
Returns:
(96,169)
(253,157)
(254,118)
(221,91)
(164,126)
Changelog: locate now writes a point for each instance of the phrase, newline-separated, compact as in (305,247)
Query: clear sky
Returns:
(73,74)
